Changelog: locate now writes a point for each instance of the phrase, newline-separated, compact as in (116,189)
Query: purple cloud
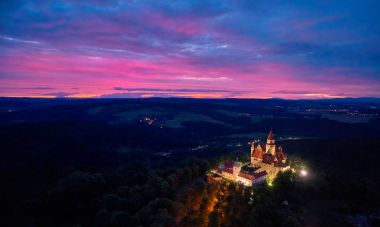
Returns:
(223,49)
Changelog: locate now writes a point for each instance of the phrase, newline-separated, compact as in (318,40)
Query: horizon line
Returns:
(177,97)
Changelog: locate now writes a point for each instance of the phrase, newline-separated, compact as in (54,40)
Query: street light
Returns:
(303,173)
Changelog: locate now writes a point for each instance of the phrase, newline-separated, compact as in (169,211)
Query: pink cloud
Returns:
(97,76)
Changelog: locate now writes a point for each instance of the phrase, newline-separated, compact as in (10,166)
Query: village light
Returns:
(303,173)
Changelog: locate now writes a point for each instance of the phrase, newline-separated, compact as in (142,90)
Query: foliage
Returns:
(65,167)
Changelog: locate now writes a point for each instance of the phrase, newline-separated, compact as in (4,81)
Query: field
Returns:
(88,162)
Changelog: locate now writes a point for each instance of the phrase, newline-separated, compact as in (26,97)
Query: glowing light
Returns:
(270,184)
(83,96)
(147,95)
(303,173)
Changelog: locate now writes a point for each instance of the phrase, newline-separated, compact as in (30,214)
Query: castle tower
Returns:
(236,168)
(253,147)
(271,145)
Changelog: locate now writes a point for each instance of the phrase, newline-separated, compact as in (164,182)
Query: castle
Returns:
(266,161)
(269,157)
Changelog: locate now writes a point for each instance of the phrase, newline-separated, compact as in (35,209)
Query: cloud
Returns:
(290,92)
(322,95)
(222,78)
(38,88)
(7,38)
(130,95)
(224,49)
(164,95)
(169,90)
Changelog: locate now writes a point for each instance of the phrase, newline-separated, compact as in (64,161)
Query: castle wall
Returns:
(257,153)
(255,161)
(229,176)
(244,181)
(271,170)
(259,180)
(270,148)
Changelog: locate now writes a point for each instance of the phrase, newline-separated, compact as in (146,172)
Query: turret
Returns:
(236,168)
(270,139)
(253,145)
(271,145)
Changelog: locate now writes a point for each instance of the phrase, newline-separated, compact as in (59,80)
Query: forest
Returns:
(152,191)
(90,172)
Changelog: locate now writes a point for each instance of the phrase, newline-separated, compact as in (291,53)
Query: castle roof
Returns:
(270,136)
(258,153)
(218,170)
(251,176)
(260,174)
(280,155)
(268,158)
(246,175)
(237,164)
(230,171)
(261,145)
(280,164)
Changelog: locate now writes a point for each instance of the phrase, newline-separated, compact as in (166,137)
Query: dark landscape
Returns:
(189,113)
(130,162)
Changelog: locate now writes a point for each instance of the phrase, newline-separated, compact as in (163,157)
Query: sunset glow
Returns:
(196,49)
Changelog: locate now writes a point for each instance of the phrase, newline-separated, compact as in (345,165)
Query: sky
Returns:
(199,49)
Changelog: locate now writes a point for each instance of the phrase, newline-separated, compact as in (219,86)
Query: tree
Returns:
(214,219)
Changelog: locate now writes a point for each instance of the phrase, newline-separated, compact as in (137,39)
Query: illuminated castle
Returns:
(269,157)
(266,161)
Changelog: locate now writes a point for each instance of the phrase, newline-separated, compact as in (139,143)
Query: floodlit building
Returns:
(267,160)
(269,157)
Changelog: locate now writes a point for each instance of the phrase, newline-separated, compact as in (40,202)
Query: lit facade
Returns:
(267,160)
(269,157)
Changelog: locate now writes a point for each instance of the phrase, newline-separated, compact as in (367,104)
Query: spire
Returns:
(270,136)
